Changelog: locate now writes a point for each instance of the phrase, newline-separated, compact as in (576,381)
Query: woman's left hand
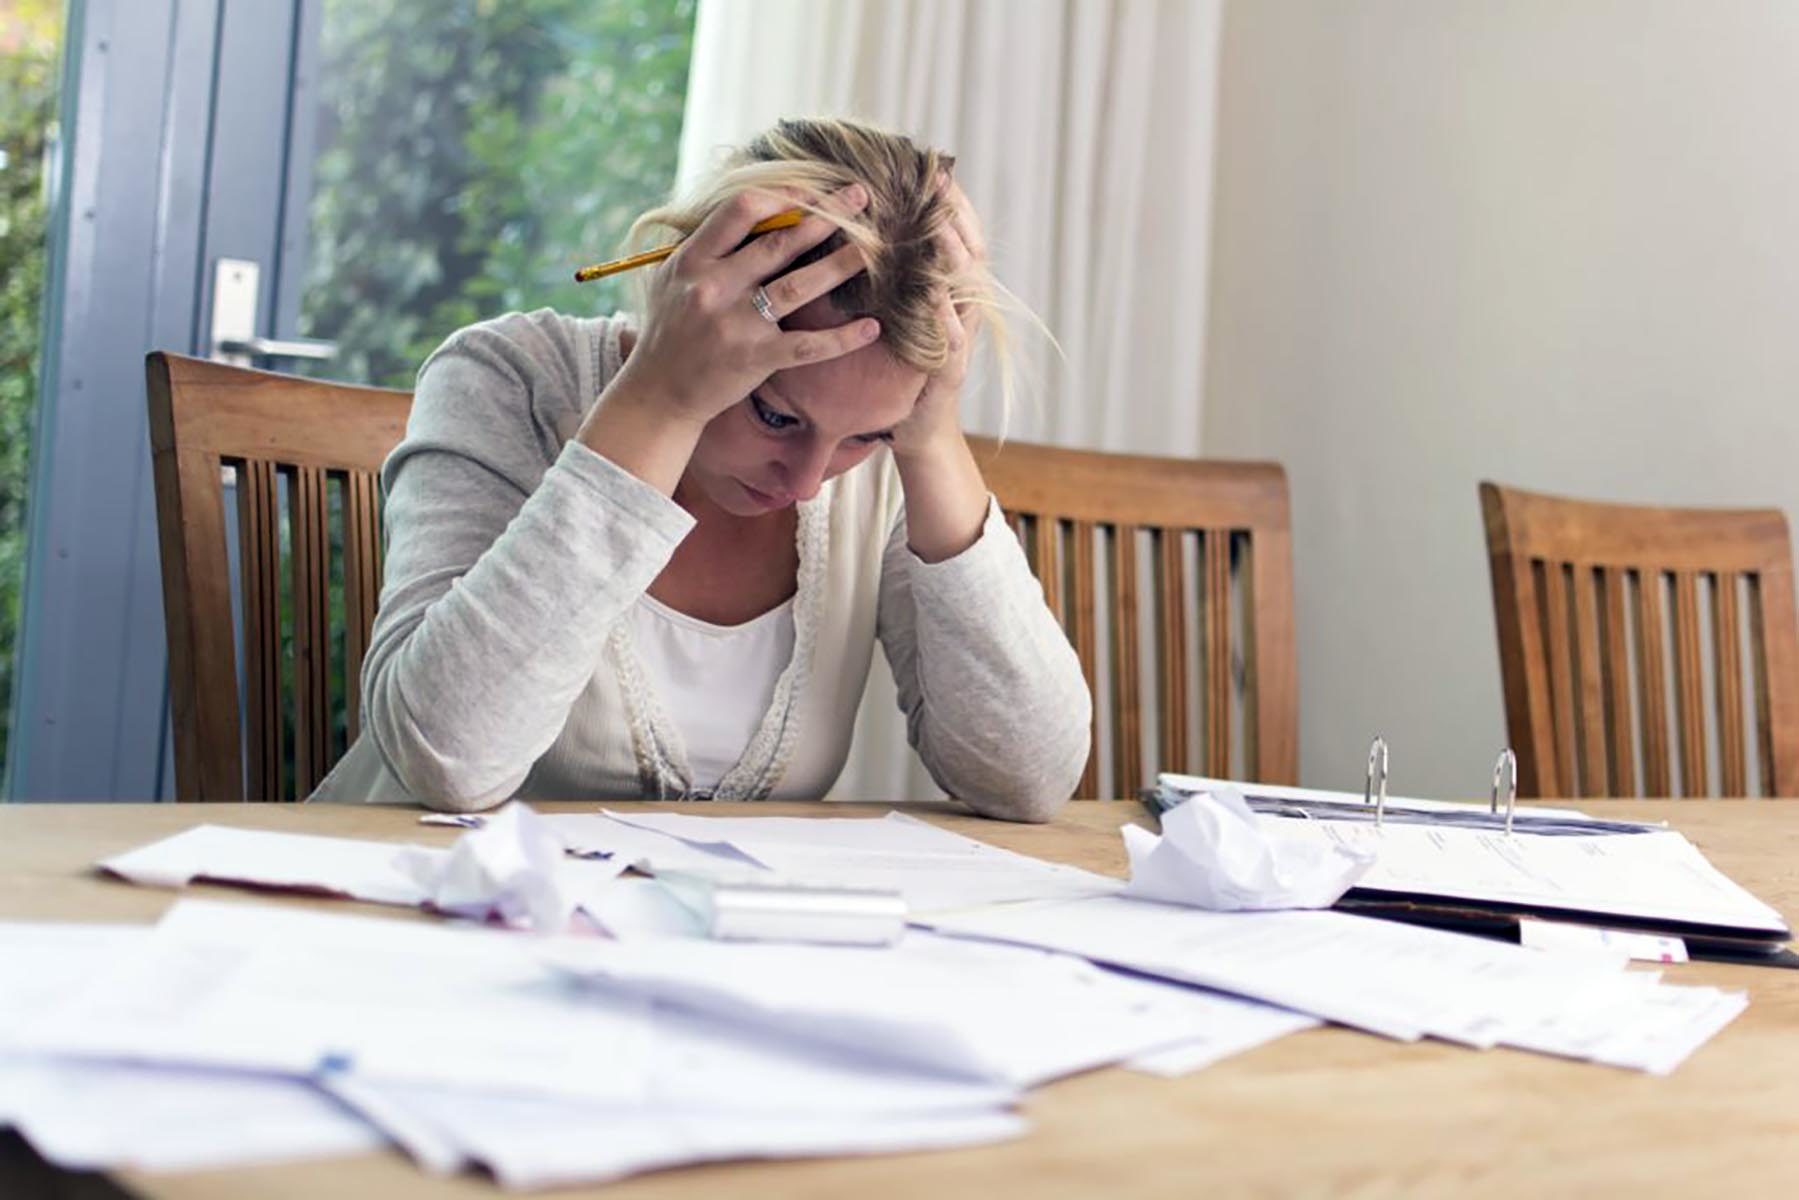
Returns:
(936,420)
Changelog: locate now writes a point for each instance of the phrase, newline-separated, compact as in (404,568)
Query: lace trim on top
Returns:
(662,768)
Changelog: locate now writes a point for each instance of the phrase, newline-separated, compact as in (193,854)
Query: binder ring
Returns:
(1377,754)
(1506,768)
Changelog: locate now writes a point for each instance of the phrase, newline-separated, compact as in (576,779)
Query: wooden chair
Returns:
(304,456)
(1580,590)
(1094,525)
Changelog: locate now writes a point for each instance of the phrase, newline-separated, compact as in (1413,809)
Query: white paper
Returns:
(1654,876)
(1653,1029)
(276,989)
(643,908)
(531,1143)
(1562,937)
(502,875)
(963,1009)
(1214,854)
(1398,980)
(635,841)
(346,867)
(512,869)
(98,1116)
(260,988)
(934,869)
(1255,1025)
(91,1115)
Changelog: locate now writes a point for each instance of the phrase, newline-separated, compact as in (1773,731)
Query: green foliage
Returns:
(29,57)
(472,154)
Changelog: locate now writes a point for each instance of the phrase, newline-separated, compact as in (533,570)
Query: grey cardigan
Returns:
(499,664)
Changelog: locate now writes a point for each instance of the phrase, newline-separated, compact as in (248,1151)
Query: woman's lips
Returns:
(763,498)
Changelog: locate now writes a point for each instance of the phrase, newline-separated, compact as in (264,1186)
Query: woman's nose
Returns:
(804,473)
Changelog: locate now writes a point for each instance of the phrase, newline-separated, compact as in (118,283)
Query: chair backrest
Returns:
(1583,594)
(1212,542)
(302,458)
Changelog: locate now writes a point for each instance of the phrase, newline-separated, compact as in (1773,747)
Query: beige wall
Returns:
(1549,242)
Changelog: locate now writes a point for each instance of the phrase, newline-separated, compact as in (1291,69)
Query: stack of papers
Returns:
(551,1058)
(1400,981)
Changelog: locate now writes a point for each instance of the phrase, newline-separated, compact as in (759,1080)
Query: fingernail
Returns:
(856,195)
(870,329)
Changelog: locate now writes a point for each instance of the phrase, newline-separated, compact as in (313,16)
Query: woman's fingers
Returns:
(796,289)
(955,329)
(818,345)
(963,219)
(726,226)
(772,251)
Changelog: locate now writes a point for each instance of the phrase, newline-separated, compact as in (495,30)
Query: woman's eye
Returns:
(769,417)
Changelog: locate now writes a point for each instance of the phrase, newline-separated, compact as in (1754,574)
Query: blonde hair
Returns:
(897,231)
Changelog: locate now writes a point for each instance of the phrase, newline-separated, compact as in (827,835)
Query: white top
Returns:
(715,682)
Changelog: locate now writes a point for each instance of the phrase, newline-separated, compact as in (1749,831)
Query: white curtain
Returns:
(1083,134)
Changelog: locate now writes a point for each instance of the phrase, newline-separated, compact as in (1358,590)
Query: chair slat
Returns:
(1652,686)
(1594,776)
(1217,552)
(1083,617)
(259,558)
(1046,536)
(1554,593)
(362,583)
(1171,664)
(1689,685)
(1620,752)
(1727,662)
(1127,713)
(308,511)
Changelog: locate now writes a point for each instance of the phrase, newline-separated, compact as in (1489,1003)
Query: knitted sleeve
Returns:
(994,698)
(508,563)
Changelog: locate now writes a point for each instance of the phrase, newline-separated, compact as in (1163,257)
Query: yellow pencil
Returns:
(792,216)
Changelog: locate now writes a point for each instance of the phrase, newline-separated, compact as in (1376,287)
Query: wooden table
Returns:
(1329,1112)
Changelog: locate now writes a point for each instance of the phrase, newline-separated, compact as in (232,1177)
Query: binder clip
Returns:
(1506,768)
(1377,759)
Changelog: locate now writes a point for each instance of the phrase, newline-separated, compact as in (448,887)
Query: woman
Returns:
(654,561)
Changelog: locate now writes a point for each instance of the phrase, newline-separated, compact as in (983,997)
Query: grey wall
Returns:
(1549,242)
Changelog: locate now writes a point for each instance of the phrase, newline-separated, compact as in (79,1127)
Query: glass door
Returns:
(327,186)
(465,158)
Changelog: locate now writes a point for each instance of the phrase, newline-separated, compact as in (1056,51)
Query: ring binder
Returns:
(1453,880)
(1377,750)
(1506,767)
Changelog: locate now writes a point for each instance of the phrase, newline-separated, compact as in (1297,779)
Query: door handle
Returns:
(235,292)
(261,347)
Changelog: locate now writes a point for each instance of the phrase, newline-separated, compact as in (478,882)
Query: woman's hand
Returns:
(936,420)
(946,498)
(704,344)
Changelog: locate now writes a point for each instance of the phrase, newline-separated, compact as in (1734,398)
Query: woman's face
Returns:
(802,426)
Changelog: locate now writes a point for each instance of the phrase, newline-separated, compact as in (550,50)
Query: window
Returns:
(471,154)
(30,61)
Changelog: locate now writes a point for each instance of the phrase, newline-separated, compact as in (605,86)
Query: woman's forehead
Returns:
(864,391)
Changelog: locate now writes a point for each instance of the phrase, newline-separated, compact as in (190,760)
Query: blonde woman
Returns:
(652,558)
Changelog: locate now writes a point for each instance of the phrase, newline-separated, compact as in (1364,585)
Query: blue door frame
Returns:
(180,120)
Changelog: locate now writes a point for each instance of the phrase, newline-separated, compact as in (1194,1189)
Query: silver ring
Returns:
(764,307)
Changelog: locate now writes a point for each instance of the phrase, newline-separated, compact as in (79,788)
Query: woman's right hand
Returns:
(704,346)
